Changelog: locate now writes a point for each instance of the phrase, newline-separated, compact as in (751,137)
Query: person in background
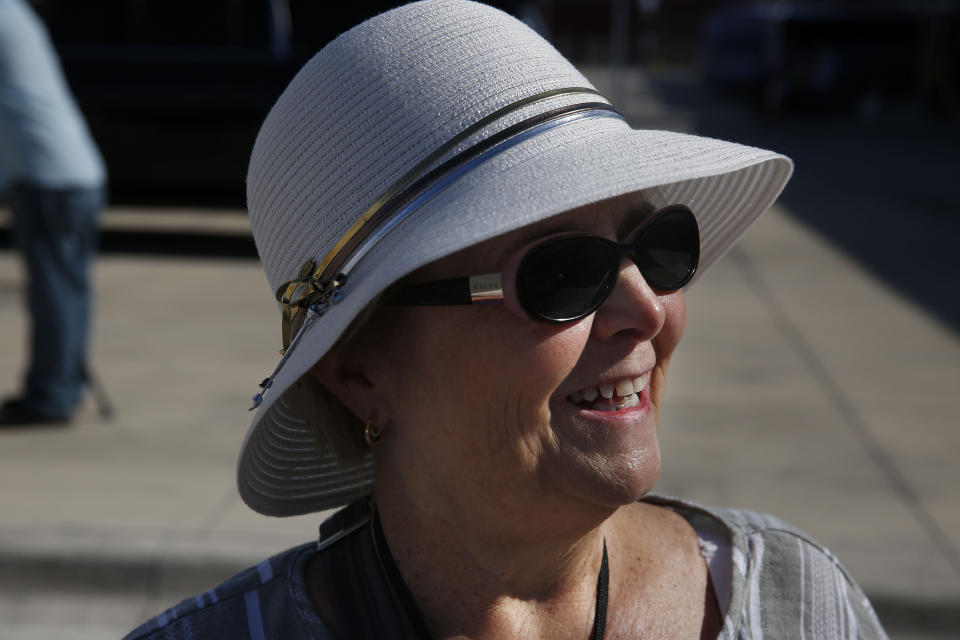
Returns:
(55,182)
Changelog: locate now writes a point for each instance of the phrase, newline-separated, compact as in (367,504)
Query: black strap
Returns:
(603,586)
(367,591)
(399,587)
(364,606)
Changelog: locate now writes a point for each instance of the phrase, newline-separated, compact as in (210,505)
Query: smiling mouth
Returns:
(620,395)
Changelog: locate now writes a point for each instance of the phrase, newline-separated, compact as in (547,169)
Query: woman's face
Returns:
(477,400)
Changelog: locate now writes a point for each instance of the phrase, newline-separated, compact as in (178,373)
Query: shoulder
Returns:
(266,600)
(794,582)
(774,549)
(757,540)
(783,580)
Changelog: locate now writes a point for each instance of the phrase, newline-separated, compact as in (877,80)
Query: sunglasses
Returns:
(565,277)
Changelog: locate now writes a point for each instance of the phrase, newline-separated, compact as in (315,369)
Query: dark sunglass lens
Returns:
(564,279)
(670,250)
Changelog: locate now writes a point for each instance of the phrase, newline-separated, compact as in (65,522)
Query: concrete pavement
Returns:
(804,387)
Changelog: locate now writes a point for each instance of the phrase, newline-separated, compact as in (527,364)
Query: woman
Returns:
(480,268)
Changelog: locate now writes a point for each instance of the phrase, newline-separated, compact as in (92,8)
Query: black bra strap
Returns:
(364,606)
(399,587)
(603,586)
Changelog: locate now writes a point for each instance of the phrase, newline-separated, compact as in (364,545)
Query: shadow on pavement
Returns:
(883,189)
(916,619)
(167,243)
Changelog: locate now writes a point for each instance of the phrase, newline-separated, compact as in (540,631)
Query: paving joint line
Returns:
(848,412)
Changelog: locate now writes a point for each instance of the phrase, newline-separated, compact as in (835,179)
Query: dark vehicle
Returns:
(829,57)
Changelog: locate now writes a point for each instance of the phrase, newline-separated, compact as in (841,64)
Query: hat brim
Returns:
(287,468)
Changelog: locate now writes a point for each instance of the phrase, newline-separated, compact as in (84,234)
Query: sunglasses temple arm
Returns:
(453,291)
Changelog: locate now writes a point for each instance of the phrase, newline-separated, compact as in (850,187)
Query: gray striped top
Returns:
(782,583)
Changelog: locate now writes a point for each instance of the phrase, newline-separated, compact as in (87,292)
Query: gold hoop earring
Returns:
(371,434)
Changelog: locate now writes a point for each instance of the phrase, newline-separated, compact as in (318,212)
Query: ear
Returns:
(347,378)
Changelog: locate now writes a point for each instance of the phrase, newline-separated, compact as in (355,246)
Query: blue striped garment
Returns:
(263,602)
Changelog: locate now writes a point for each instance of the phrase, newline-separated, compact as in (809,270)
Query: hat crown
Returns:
(373,103)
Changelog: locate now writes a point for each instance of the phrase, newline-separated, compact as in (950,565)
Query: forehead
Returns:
(613,218)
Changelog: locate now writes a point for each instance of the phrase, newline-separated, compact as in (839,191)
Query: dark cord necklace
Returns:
(603,585)
(412,613)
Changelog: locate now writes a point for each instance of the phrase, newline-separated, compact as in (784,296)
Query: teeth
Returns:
(622,402)
(639,384)
(624,387)
(611,397)
(630,400)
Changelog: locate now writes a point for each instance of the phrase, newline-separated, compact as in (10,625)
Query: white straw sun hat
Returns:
(422,131)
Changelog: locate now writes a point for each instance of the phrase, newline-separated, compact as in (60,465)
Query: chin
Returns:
(611,481)
(632,484)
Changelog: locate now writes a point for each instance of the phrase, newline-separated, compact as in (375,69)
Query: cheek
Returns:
(482,378)
(675,307)
(517,367)
(515,409)
(665,342)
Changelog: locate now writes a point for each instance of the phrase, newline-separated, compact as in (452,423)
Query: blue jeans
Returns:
(56,232)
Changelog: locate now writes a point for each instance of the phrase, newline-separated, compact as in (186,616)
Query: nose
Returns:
(632,307)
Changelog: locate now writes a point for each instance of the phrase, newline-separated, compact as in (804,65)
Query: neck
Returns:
(504,571)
